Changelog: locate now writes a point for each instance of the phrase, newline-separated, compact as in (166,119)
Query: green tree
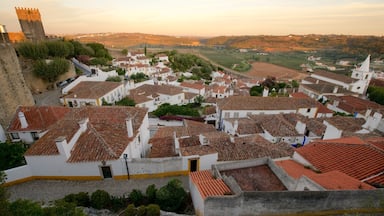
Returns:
(139,77)
(130,210)
(136,197)
(256,90)
(11,155)
(171,196)
(150,192)
(153,210)
(33,51)
(113,79)
(25,207)
(199,99)
(50,71)
(376,94)
(126,102)
(59,48)
(4,195)
(124,52)
(100,199)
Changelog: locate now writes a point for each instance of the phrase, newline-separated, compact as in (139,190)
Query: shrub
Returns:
(113,79)
(100,199)
(141,211)
(130,210)
(153,210)
(25,207)
(150,192)
(118,203)
(171,196)
(136,197)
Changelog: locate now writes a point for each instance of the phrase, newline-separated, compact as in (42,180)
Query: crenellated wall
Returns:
(31,24)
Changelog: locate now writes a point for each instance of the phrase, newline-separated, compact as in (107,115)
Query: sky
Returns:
(203,17)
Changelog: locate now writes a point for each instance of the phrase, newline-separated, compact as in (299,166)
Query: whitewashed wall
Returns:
(17,173)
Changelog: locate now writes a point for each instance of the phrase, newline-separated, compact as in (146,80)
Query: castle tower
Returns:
(30,22)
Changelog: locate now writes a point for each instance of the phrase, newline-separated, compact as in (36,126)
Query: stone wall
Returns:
(297,203)
(14,91)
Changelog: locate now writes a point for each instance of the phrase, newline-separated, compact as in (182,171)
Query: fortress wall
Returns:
(13,88)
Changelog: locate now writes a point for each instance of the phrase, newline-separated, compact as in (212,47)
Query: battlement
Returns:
(28,14)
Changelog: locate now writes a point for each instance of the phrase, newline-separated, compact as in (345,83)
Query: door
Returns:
(106,171)
(193,165)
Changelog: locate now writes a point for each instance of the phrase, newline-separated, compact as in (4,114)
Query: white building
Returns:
(242,106)
(91,143)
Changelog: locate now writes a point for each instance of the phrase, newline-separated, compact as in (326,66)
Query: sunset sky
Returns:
(203,17)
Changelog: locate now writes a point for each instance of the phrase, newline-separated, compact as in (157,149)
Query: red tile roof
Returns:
(105,138)
(92,90)
(299,95)
(353,104)
(334,76)
(333,180)
(265,103)
(192,85)
(207,185)
(348,155)
(38,117)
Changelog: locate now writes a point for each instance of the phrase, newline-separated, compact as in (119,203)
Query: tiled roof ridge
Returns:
(102,140)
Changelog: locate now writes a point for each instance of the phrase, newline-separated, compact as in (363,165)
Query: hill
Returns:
(265,43)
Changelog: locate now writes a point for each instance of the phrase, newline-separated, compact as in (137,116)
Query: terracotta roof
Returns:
(38,117)
(333,180)
(323,109)
(351,156)
(149,90)
(105,138)
(334,76)
(162,147)
(299,95)
(346,123)
(207,185)
(265,103)
(276,125)
(208,110)
(192,85)
(246,126)
(353,104)
(248,147)
(189,95)
(197,150)
(326,88)
(92,90)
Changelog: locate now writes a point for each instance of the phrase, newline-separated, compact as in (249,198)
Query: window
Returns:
(236,114)
(15,136)
(35,136)
(226,115)
(308,110)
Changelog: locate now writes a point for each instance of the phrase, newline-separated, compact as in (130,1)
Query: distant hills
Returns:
(265,43)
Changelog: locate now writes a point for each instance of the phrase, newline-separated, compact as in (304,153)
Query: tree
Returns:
(150,192)
(199,99)
(50,71)
(4,195)
(126,102)
(33,51)
(113,79)
(124,52)
(11,155)
(25,207)
(376,94)
(136,197)
(100,199)
(256,90)
(171,196)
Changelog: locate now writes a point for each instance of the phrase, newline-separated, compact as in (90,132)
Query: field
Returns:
(262,69)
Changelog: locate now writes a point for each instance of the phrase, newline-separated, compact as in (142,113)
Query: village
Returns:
(248,145)
(242,144)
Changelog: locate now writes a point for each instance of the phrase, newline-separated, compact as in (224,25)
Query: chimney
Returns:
(335,89)
(129,124)
(235,126)
(62,146)
(317,81)
(83,124)
(265,92)
(23,120)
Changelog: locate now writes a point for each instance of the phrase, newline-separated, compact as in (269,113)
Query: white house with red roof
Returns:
(93,93)
(31,122)
(242,106)
(196,88)
(90,143)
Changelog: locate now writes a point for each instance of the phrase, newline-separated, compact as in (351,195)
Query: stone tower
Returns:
(14,91)
(30,22)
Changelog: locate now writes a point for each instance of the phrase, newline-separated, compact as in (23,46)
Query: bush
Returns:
(62,208)
(113,79)
(171,196)
(118,203)
(100,199)
(141,211)
(136,197)
(150,192)
(130,210)
(126,102)
(25,207)
(11,155)
(153,210)
(80,199)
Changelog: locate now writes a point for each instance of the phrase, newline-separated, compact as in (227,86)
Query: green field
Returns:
(241,61)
